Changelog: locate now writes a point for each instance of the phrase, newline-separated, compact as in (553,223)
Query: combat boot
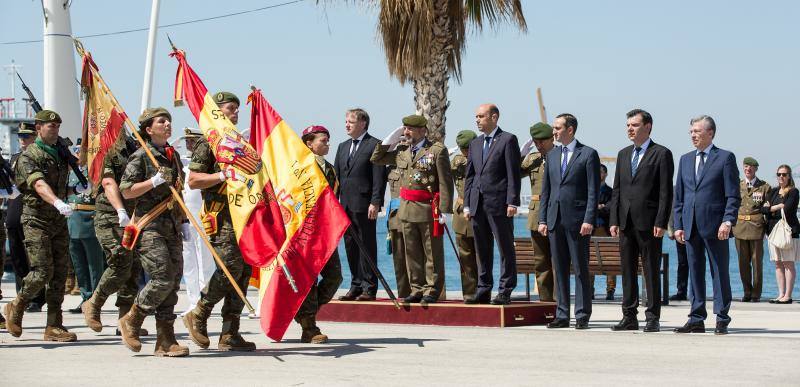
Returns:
(230,339)
(129,326)
(123,310)
(311,333)
(55,330)
(14,311)
(196,322)
(166,345)
(91,313)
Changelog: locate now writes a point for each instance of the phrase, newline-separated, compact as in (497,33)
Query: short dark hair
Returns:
(493,109)
(361,115)
(646,117)
(604,168)
(570,120)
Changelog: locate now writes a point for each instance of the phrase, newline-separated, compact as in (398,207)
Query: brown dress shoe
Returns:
(166,345)
(59,334)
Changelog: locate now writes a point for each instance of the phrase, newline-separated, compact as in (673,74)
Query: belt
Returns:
(84,207)
(534,198)
(746,217)
(420,195)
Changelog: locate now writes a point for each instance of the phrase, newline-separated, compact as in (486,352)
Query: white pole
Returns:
(60,88)
(151,48)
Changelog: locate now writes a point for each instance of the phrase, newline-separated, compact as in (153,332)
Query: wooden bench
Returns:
(604,259)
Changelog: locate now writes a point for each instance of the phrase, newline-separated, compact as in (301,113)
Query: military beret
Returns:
(191,133)
(150,113)
(26,129)
(750,161)
(224,96)
(541,131)
(315,129)
(415,120)
(47,116)
(464,137)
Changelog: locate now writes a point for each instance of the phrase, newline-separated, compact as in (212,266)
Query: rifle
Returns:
(6,176)
(61,144)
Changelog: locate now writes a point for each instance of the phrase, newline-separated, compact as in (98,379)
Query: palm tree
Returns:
(424,41)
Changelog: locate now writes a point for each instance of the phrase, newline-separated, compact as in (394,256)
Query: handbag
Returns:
(781,235)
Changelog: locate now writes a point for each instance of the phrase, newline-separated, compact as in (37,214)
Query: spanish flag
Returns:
(314,219)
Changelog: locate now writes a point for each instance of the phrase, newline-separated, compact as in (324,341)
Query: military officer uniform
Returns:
(465,240)
(533,166)
(395,228)
(84,248)
(426,190)
(749,233)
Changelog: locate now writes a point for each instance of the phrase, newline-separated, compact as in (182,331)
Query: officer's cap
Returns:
(191,133)
(26,129)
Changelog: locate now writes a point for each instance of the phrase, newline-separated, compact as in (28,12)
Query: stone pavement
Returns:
(762,349)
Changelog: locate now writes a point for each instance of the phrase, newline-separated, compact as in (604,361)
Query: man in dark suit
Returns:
(569,208)
(640,205)
(361,188)
(491,198)
(706,204)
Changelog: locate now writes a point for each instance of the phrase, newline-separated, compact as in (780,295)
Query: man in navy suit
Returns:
(706,204)
(491,198)
(569,207)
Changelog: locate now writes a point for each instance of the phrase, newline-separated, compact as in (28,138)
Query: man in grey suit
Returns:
(569,205)
(706,205)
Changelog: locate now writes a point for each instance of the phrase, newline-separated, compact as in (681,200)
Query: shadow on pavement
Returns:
(334,348)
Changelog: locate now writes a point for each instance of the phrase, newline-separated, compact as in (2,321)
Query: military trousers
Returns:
(424,259)
(399,259)
(47,245)
(123,269)
(160,251)
(751,266)
(322,291)
(542,266)
(468,261)
(219,287)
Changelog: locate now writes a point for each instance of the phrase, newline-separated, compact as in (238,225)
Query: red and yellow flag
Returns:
(314,219)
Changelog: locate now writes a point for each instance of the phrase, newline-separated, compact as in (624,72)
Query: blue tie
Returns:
(635,161)
(487,142)
(700,165)
(564,152)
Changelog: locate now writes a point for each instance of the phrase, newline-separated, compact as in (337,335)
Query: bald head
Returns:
(486,117)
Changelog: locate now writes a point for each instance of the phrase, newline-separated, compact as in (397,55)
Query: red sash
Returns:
(421,195)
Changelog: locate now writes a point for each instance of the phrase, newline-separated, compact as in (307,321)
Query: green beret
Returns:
(541,131)
(415,120)
(224,97)
(189,133)
(750,161)
(150,113)
(464,137)
(47,116)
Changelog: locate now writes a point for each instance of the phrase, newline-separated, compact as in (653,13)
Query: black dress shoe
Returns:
(626,324)
(558,324)
(470,300)
(746,299)
(413,299)
(582,324)
(677,297)
(366,297)
(789,301)
(428,300)
(652,326)
(698,327)
(774,300)
(351,295)
(610,296)
(721,329)
(501,299)
(755,299)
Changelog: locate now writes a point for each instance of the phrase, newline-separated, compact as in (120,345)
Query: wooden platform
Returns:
(446,313)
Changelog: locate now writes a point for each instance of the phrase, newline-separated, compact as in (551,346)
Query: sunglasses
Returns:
(781,174)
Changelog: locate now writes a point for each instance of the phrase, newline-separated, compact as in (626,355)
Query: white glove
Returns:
(14,193)
(394,137)
(526,148)
(157,180)
(186,230)
(442,218)
(123,217)
(79,189)
(63,208)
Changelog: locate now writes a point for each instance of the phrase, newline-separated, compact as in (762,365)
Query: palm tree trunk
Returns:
(430,87)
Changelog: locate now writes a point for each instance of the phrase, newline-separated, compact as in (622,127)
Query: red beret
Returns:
(315,129)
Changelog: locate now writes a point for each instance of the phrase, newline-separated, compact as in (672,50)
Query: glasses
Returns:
(781,174)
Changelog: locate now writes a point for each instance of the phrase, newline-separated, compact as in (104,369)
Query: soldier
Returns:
(41,176)
(206,174)
(396,244)
(533,166)
(425,196)
(464,235)
(749,231)
(316,138)
(111,217)
(155,233)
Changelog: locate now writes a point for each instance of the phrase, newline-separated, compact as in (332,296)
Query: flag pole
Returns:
(542,111)
(366,257)
(175,193)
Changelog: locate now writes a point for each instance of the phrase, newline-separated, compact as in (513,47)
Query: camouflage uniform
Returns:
(395,229)
(533,166)
(465,239)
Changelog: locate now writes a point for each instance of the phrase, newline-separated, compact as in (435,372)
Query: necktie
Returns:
(564,153)
(414,153)
(701,164)
(635,161)
(352,152)
(486,143)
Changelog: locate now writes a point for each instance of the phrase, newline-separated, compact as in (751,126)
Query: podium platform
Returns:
(445,313)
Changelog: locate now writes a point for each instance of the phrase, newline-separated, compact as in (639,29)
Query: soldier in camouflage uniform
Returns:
(749,231)
(160,223)
(41,176)
(205,174)
(316,138)
(465,239)
(426,180)
(533,166)
(111,216)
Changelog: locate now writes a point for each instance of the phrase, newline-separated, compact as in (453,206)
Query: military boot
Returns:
(196,322)
(14,311)
(55,330)
(230,339)
(91,313)
(166,345)
(311,333)
(123,310)
(129,326)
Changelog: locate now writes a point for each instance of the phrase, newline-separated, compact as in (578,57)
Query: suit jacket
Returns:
(645,199)
(362,183)
(496,179)
(571,200)
(710,199)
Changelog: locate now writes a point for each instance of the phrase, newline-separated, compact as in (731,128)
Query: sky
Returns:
(738,61)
